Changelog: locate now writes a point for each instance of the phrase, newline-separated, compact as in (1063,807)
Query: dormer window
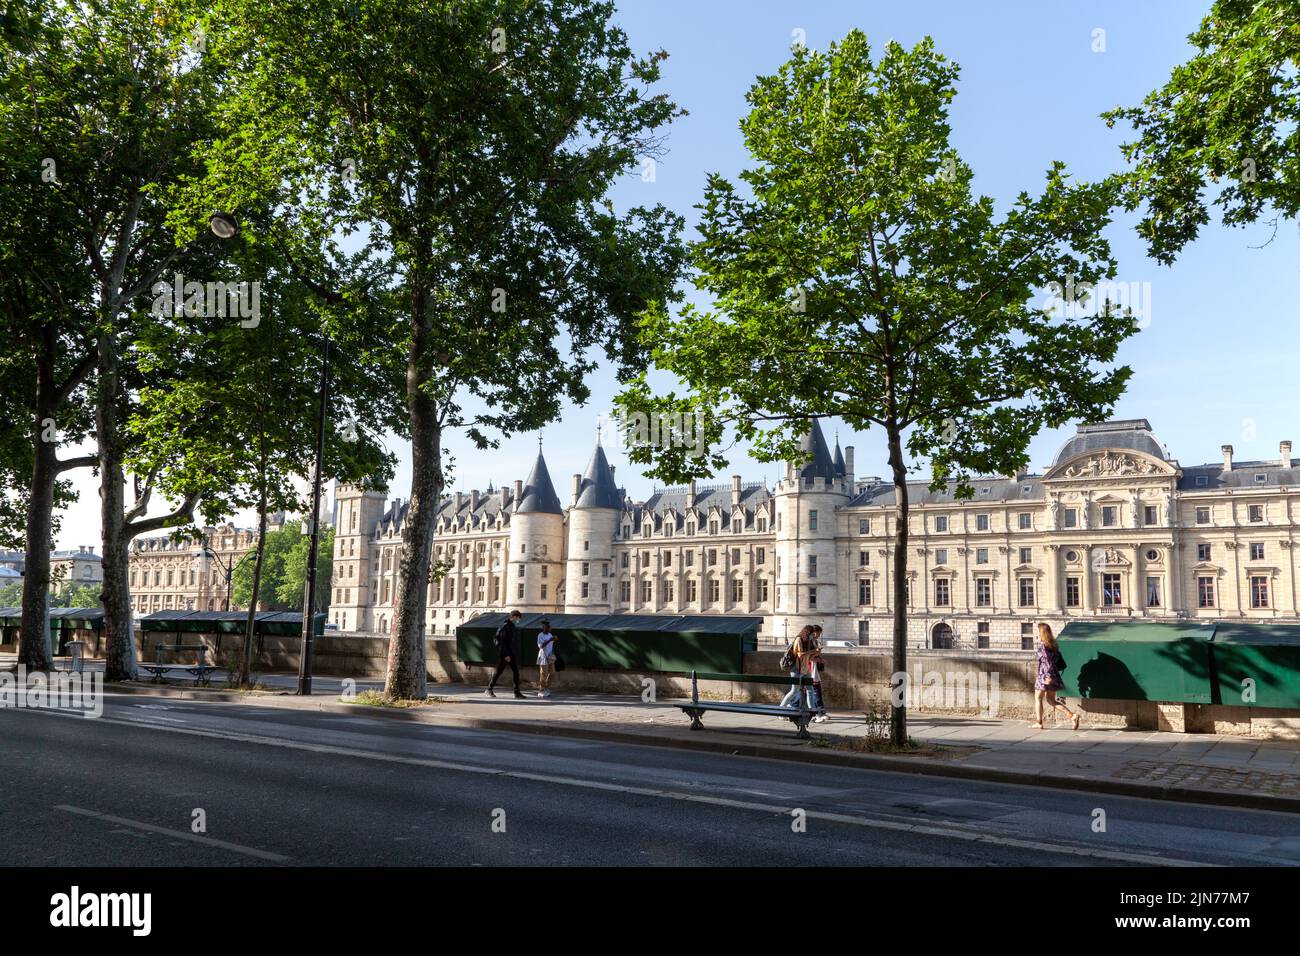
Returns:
(1260,478)
(1202,481)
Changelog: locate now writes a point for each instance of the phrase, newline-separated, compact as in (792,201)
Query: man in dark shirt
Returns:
(507,653)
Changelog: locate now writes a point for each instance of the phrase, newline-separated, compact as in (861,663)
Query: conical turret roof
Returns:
(821,465)
(597,489)
(840,467)
(539,495)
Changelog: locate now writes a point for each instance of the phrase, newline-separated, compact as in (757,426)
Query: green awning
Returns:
(1138,660)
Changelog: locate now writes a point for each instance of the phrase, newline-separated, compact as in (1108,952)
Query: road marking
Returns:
(925,829)
(175,834)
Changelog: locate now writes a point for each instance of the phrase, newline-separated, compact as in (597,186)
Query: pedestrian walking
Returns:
(545,659)
(1048,681)
(815,668)
(796,662)
(507,639)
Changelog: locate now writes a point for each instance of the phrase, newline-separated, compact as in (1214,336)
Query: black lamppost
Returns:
(224,226)
(226,567)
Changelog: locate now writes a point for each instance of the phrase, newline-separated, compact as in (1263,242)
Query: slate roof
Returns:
(539,495)
(1028,488)
(821,465)
(1134,434)
(1243,475)
(598,488)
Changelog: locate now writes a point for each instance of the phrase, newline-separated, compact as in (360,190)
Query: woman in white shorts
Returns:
(545,659)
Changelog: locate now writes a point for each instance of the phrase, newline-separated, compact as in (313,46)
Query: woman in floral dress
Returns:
(1048,681)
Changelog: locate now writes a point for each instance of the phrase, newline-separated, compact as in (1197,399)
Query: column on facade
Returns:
(1085,580)
(1051,580)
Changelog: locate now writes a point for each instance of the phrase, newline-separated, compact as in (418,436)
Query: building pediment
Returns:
(1110,464)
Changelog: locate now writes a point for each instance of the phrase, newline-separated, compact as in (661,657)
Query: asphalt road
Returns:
(282,787)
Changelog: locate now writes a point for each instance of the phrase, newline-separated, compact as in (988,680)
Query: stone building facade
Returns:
(1115,529)
(167,575)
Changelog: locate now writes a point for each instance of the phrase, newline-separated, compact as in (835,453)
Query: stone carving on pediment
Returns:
(1111,465)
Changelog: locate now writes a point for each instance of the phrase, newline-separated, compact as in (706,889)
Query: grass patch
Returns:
(376,698)
(878,745)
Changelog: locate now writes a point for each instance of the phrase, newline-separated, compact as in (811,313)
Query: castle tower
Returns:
(358,509)
(593,527)
(807,503)
(535,561)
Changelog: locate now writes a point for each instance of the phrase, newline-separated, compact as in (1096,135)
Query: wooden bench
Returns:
(200,670)
(800,716)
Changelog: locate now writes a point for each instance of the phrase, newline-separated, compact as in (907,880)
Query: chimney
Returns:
(1227,457)
(505,494)
(577,484)
(1285,449)
(473,500)
(690,494)
(735,490)
(848,464)
(460,500)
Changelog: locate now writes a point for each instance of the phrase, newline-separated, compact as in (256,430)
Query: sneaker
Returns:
(820,719)
(541,693)
(491,692)
(518,696)
(546,693)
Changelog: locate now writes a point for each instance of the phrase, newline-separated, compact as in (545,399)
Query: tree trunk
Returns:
(119,654)
(34,644)
(246,659)
(898,686)
(407,675)
(34,650)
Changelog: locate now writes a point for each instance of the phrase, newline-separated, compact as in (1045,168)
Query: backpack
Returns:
(788,660)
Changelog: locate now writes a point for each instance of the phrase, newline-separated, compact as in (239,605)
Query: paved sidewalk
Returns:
(1195,767)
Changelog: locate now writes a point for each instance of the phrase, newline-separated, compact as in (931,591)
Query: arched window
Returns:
(941,637)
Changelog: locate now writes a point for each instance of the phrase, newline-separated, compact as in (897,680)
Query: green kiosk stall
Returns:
(632,642)
(1256,664)
(1138,660)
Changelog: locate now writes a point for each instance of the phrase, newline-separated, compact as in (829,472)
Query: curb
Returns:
(803,754)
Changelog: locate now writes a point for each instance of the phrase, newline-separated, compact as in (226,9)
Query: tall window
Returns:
(812,565)
(1149,515)
(941,595)
(1202,552)
(864,526)
(1071,518)
(864,592)
(1258,591)
(1109,516)
(1111,594)
(713,591)
(1202,515)
(1257,551)
(1026,555)
(940,555)
(1205,591)
(737,590)
(812,519)
(812,599)
(1025,520)
(981,522)
(1026,592)
(1153,592)
(983,592)
(982,634)
(762,590)
(1071,592)
(864,558)
(1255,513)
(981,555)
(941,523)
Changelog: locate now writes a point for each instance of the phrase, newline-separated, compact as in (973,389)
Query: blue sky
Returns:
(1213,366)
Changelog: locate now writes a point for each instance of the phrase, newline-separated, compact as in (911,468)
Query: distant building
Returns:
(13,561)
(81,567)
(189,575)
(1114,529)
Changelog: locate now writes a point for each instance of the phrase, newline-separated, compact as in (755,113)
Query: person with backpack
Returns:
(815,668)
(795,661)
(507,639)
(546,658)
(1048,681)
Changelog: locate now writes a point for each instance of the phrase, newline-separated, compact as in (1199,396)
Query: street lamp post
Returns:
(226,568)
(224,226)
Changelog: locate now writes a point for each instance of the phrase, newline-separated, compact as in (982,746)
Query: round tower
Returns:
(535,560)
(594,521)
(358,508)
(808,499)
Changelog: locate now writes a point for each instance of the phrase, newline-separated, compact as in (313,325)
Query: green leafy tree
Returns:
(11,595)
(293,583)
(285,570)
(472,144)
(1224,131)
(858,276)
(128,107)
(46,314)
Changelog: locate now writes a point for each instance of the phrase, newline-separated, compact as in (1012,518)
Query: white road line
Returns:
(174,834)
(876,824)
